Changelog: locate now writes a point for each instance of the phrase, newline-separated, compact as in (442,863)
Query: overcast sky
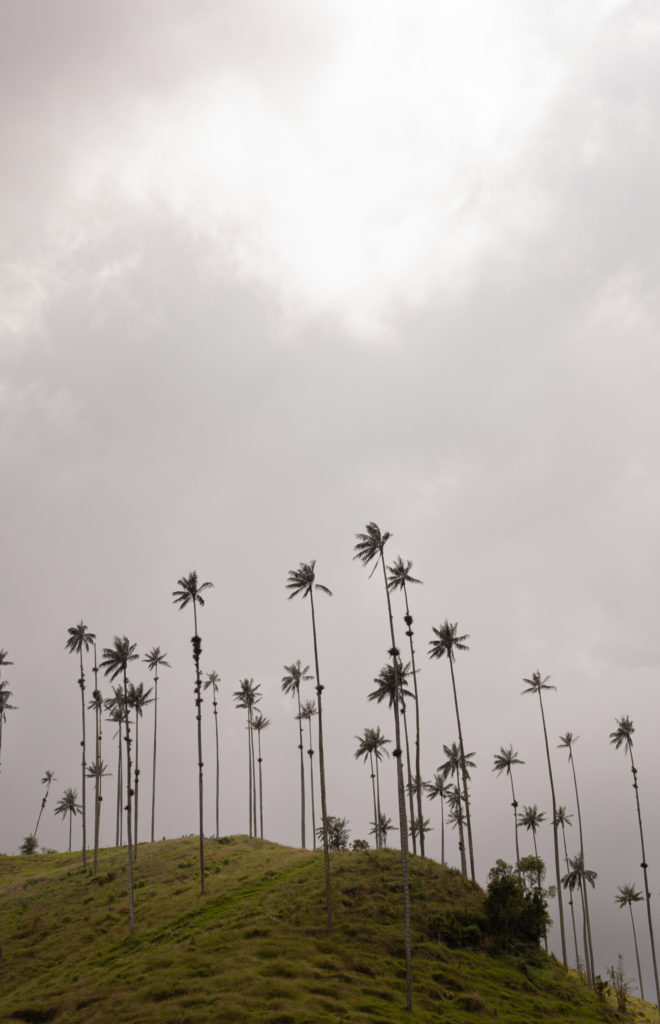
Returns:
(273,270)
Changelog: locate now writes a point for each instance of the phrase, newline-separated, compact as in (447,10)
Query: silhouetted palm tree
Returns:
(307,712)
(622,737)
(97,771)
(68,805)
(115,662)
(96,705)
(80,638)
(259,723)
(532,819)
(503,762)
(567,742)
(380,828)
(564,819)
(154,661)
(386,687)
(295,675)
(370,547)
(48,779)
(302,582)
(190,592)
(398,578)
(372,745)
(115,707)
(246,698)
(536,685)
(138,698)
(447,642)
(578,876)
(626,896)
(211,681)
(438,787)
(457,764)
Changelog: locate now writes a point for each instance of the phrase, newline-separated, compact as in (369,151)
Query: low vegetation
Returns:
(256,946)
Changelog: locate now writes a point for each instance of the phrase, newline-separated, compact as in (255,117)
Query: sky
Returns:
(272,271)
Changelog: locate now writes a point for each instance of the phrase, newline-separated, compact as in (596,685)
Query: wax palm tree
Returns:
(456,816)
(96,705)
(579,876)
(370,547)
(81,639)
(371,745)
(115,662)
(447,643)
(504,762)
(295,675)
(97,771)
(115,707)
(420,826)
(246,698)
(457,764)
(398,578)
(380,828)
(259,723)
(68,805)
(307,712)
(155,660)
(190,592)
(537,684)
(625,897)
(437,787)
(47,781)
(622,737)
(302,583)
(532,819)
(386,686)
(4,659)
(138,698)
(564,819)
(5,703)
(567,742)
(211,682)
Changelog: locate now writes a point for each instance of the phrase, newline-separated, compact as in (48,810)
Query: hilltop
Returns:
(255,947)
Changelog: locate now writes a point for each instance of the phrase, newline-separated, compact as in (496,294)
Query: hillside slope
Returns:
(255,947)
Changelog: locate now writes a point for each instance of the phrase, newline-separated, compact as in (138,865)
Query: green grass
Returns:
(255,947)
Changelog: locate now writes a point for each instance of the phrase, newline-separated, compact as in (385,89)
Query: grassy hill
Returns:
(255,947)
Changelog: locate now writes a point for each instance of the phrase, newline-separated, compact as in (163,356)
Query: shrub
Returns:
(514,912)
(28,846)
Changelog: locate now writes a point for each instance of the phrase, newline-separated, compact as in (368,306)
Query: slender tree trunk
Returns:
(538,882)
(81,683)
(250,768)
(461,832)
(639,969)
(644,867)
(411,806)
(466,796)
(41,810)
(442,831)
(120,786)
(217,767)
(403,824)
(311,782)
(261,800)
(514,804)
(254,781)
(586,894)
(570,903)
(137,783)
(418,774)
(302,771)
(324,804)
(98,708)
(70,824)
(129,795)
(555,839)
(373,793)
(378,790)
(197,650)
(153,770)
(590,977)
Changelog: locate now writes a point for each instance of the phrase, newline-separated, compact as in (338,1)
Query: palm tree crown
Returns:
(398,574)
(370,544)
(622,735)
(116,658)
(303,580)
(154,659)
(504,761)
(537,683)
(447,641)
(628,894)
(295,675)
(191,590)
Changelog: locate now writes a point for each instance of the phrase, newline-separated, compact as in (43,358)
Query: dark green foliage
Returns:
(359,844)
(515,913)
(28,846)
(338,833)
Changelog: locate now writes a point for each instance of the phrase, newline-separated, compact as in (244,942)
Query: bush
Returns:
(515,914)
(359,844)
(338,833)
(28,846)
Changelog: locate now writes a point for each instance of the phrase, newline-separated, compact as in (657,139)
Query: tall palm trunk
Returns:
(254,780)
(81,683)
(466,797)
(539,886)
(570,903)
(585,939)
(250,771)
(461,831)
(586,894)
(302,772)
(555,837)
(411,806)
(311,782)
(644,867)
(378,812)
(418,774)
(120,784)
(70,824)
(442,831)
(403,824)
(324,805)
(41,809)
(153,770)
(261,801)
(137,783)
(129,794)
(373,793)
(217,766)
(639,969)
(197,650)
(514,804)
(98,718)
